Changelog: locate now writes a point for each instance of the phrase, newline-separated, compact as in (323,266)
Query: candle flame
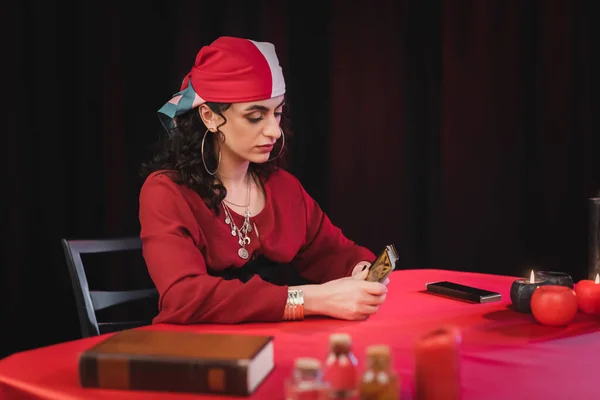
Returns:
(597,279)
(532,277)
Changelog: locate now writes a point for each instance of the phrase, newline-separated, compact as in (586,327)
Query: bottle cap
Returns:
(340,338)
(378,350)
(340,343)
(378,356)
(307,364)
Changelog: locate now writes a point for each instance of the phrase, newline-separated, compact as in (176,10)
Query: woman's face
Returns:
(251,129)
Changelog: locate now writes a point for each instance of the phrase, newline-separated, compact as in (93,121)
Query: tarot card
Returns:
(383,265)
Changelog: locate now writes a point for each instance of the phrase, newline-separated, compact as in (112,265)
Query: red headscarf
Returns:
(229,70)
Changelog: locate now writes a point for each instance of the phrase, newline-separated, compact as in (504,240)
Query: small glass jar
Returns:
(379,380)
(306,382)
(340,367)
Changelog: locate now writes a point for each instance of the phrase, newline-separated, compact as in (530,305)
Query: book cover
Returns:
(207,363)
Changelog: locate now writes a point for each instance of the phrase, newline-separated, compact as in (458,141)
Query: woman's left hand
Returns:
(361,270)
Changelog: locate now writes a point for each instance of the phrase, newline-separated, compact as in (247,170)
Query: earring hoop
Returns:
(202,154)
(282,146)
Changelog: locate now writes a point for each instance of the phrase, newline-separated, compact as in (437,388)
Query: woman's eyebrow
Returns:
(258,107)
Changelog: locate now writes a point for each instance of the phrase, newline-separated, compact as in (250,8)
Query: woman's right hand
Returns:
(349,298)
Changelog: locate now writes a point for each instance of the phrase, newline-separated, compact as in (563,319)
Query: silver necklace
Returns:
(241,233)
(233,204)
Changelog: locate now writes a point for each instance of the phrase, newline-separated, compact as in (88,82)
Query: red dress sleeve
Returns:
(172,241)
(326,254)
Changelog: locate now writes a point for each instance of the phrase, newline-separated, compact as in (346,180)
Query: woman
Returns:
(222,225)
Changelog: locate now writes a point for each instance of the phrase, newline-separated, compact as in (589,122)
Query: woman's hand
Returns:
(350,298)
(361,270)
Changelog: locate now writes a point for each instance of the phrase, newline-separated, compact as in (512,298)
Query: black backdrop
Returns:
(464,132)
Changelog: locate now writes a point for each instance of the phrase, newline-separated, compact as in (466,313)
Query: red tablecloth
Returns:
(506,355)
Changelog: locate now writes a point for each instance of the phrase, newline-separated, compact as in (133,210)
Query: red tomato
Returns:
(554,305)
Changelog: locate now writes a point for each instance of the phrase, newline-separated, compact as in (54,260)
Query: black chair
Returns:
(90,302)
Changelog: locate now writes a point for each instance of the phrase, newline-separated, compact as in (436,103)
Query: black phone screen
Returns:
(464,292)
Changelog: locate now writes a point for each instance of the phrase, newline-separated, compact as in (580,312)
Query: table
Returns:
(505,354)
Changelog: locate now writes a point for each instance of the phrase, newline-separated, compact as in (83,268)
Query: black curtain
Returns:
(465,133)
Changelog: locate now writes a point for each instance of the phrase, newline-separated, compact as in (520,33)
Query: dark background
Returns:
(464,132)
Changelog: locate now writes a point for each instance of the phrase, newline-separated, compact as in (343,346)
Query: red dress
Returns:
(181,236)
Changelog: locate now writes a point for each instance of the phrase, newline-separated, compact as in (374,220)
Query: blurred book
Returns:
(206,363)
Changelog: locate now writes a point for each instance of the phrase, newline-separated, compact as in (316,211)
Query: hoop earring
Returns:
(282,146)
(202,153)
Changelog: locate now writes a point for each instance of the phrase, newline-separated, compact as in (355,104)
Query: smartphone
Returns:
(462,292)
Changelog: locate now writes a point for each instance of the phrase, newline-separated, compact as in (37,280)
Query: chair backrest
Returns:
(89,302)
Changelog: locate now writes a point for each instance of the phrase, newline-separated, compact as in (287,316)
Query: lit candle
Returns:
(521,291)
(588,295)
(594,236)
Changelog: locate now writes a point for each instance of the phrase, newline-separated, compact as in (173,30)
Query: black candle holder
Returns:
(555,278)
(521,292)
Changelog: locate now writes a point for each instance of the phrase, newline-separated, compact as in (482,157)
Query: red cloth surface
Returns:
(505,354)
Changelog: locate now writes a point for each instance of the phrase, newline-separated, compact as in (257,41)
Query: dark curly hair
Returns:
(180,156)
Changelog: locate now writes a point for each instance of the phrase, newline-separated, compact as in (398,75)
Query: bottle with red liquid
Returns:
(341,367)
(306,383)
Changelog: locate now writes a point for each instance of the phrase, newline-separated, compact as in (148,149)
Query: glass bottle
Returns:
(306,382)
(379,380)
(340,367)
